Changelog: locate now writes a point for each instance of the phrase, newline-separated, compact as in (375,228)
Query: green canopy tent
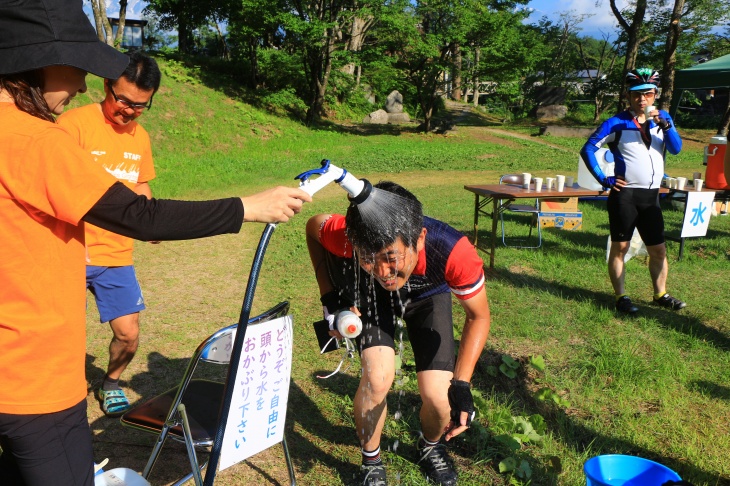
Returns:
(708,75)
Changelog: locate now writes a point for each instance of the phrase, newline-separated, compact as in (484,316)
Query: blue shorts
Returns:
(116,291)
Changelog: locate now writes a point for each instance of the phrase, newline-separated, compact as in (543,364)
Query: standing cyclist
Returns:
(637,142)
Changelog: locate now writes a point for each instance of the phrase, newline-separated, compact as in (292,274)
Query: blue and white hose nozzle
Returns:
(358,189)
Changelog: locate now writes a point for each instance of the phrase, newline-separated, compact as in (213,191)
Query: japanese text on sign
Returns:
(260,394)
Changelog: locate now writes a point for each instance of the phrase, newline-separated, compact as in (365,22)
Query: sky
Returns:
(599,22)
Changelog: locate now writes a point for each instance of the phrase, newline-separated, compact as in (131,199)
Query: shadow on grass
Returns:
(127,447)
(563,425)
(579,436)
(400,436)
(676,321)
(710,389)
(310,428)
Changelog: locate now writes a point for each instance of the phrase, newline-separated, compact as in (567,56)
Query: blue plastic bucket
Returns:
(620,470)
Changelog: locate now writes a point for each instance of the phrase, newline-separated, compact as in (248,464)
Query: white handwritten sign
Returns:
(697,213)
(260,394)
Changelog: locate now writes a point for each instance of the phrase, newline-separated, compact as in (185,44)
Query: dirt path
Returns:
(463,116)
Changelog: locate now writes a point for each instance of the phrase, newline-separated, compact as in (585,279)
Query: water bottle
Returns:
(348,324)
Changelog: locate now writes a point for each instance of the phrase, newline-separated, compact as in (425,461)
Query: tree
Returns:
(633,31)
(600,86)
(104,27)
(182,15)
(255,25)
(686,26)
(506,55)
(562,60)
(426,37)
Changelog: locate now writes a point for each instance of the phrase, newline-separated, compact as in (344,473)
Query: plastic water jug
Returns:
(605,162)
(715,161)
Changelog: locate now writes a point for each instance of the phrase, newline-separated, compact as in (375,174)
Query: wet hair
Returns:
(143,71)
(26,89)
(391,212)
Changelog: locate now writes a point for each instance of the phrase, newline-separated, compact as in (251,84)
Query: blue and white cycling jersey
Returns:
(640,165)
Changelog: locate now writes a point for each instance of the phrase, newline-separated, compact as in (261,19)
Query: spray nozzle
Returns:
(364,194)
(331,173)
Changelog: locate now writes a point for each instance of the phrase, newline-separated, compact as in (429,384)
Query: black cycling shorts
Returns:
(637,208)
(429,325)
(51,448)
(428,321)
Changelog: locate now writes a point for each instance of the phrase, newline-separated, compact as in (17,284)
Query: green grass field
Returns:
(562,378)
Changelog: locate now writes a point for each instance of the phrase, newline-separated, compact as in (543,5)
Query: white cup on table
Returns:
(561,182)
(569,181)
(672,183)
(681,182)
(698,184)
(538,184)
(526,177)
(549,183)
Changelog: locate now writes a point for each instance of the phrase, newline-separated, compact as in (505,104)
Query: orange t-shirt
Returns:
(47,184)
(125,152)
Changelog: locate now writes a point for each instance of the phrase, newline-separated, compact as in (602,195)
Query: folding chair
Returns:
(189,412)
(533,209)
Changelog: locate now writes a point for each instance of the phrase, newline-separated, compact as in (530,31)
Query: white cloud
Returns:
(134,8)
(599,18)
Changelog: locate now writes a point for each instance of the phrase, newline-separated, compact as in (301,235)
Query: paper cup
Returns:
(672,182)
(698,184)
(681,182)
(561,182)
(649,109)
(526,177)
(538,184)
(569,181)
(549,183)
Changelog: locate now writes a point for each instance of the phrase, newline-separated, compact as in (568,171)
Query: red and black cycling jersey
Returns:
(448,261)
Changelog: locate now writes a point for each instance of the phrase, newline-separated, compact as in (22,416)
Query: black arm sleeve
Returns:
(122,211)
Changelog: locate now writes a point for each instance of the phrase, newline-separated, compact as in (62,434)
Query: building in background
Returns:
(133,32)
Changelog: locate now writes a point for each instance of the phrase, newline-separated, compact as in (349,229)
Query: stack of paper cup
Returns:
(538,184)
(526,177)
(561,182)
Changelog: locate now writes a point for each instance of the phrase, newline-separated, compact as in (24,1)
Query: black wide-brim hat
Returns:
(40,33)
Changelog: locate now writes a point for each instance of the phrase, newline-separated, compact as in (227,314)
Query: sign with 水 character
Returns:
(697,213)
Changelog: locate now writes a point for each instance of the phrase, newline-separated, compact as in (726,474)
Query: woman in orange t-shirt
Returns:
(48,187)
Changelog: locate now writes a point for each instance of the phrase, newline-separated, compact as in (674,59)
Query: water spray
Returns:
(347,323)
(358,189)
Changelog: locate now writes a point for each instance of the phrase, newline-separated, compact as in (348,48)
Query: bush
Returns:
(285,102)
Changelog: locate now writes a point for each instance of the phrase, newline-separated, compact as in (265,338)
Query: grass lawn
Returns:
(582,380)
